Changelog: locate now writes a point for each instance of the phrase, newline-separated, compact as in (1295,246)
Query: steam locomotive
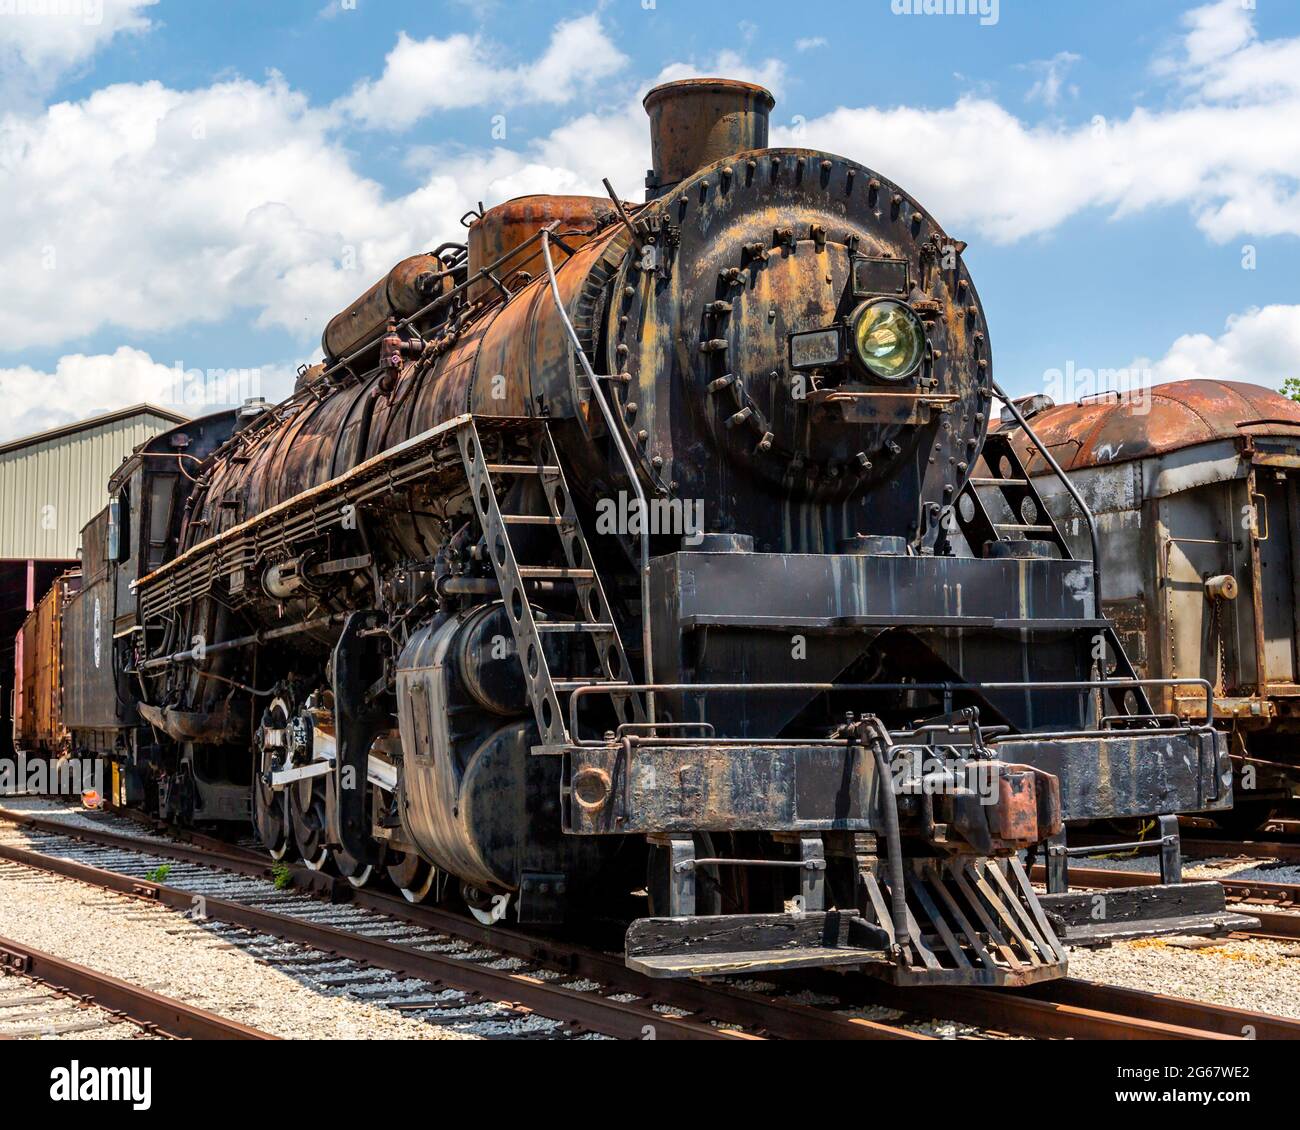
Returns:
(639,556)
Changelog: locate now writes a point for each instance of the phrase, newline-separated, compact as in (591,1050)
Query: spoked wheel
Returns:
(411,875)
(356,873)
(271,809)
(271,815)
(307,808)
(708,888)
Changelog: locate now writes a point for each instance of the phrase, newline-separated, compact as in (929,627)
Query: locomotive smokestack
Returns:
(697,121)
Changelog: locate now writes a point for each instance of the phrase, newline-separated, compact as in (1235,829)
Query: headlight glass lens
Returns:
(889,339)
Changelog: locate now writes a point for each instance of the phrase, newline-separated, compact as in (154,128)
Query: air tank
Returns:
(412,284)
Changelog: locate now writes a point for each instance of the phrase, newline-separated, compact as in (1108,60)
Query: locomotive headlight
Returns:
(888,338)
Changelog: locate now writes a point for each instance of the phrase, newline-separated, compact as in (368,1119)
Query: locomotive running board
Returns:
(977,922)
(723,944)
(1097,918)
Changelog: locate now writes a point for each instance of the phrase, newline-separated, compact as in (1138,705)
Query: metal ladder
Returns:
(1007,476)
(591,612)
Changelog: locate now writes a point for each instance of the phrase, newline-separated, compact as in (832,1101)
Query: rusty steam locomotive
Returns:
(636,556)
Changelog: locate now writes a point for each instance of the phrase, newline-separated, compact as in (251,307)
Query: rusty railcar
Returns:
(39,724)
(1194,484)
(614,557)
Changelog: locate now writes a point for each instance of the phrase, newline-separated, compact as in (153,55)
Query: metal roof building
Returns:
(52,484)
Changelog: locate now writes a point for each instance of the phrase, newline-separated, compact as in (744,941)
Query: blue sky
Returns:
(203,182)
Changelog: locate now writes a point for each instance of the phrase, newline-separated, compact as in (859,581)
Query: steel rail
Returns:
(1037,1012)
(1067,1008)
(140,1006)
(586,1010)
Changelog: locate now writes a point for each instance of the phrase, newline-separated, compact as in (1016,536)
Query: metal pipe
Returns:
(246,641)
(894,840)
(612,426)
(579,693)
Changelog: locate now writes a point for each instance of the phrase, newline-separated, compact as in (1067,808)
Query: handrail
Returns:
(1029,685)
(1074,494)
(612,426)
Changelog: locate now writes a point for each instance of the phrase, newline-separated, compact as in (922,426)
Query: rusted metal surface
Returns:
(502,229)
(407,287)
(1154,421)
(1194,484)
(38,719)
(696,121)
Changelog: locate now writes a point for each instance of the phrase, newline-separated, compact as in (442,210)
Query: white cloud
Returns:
(1260,345)
(81,386)
(424,75)
(1051,78)
(810,43)
(146,208)
(40,40)
(1234,163)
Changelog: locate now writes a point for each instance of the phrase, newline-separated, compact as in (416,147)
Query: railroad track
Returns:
(1069,1008)
(1207,843)
(43,996)
(528,977)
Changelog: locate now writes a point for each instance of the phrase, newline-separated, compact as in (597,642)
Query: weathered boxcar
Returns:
(1195,487)
(39,725)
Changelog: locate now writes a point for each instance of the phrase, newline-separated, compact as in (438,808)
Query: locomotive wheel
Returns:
(307,808)
(487,907)
(271,815)
(411,875)
(708,888)
(358,874)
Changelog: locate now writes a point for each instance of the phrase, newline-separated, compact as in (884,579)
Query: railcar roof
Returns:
(1155,421)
